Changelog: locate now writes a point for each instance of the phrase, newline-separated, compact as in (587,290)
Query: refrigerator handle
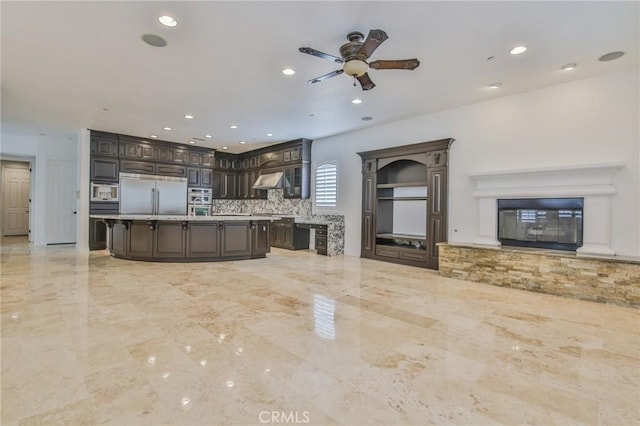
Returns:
(157,201)
(153,201)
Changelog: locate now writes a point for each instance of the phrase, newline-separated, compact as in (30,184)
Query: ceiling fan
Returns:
(354,55)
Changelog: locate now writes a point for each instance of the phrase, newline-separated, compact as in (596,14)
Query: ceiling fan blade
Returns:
(400,64)
(326,76)
(374,39)
(366,82)
(314,52)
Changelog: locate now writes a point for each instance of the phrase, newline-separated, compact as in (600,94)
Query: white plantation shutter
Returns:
(327,185)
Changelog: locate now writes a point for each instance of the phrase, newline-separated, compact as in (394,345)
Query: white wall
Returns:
(83,178)
(589,121)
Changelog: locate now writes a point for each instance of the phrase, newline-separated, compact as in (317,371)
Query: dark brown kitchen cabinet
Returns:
(195,159)
(165,154)
(119,242)
(285,235)
(97,234)
(260,234)
(243,185)
(293,187)
(200,178)
(194,177)
(171,170)
(236,239)
(141,167)
(223,185)
(203,239)
(104,169)
(180,156)
(206,178)
(141,240)
(140,150)
(408,181)
(104,144)
(208,160)
(229,186)
(169,239)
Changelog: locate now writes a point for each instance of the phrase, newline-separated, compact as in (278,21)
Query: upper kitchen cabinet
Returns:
(105,144)
(224,185)
(165,154)
(208,160)
(137,148)
(104,169)
(195,158)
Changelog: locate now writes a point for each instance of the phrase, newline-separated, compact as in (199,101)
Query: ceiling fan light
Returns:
(355,67)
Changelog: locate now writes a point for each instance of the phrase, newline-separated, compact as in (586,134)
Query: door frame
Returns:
(31,161)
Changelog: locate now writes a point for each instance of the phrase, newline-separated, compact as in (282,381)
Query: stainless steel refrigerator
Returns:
(149,194)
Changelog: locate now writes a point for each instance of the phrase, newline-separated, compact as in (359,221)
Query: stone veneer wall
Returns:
(546,271)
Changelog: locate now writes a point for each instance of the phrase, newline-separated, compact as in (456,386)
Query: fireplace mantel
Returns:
(593,182)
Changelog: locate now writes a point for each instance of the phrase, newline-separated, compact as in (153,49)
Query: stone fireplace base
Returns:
(605,280)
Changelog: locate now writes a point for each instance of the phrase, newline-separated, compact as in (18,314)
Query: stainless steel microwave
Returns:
(199,210)
(105,192)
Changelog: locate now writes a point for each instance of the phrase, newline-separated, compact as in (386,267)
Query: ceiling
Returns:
(71,65)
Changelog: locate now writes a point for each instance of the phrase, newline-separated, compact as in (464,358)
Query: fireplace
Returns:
(552,223)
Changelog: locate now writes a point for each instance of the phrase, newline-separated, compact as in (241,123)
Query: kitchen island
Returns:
(174,238)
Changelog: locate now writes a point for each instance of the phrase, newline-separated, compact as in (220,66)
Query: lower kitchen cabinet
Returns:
(285,235)
(141,240)
(97,234)
(183,241)
(260,236)
(203,240)
(169,241)
(236,239)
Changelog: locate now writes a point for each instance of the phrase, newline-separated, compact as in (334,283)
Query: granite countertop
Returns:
(177,217)
(312,220)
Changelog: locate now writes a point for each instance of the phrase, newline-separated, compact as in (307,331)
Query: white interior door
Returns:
(61,202)
(15,198)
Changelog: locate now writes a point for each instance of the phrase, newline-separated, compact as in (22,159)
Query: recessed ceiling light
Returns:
(168,21)
(154,40)
(610,56)
(269,134)
(518,50)
(366,118)
(242,142)
(495,85)
(225,147)
(288,71)
(233,126)
(208,136)
(166,128)
(189,117)
(192,142)
(153,136)
(569,67)
(356,101)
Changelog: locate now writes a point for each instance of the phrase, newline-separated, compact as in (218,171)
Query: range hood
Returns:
(269,181)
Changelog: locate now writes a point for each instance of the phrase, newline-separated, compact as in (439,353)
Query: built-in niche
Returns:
(405,203)
(553,223)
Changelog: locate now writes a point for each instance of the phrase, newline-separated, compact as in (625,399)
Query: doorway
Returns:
(61,202)
(16,183)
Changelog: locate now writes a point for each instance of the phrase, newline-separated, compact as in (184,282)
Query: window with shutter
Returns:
(326,185)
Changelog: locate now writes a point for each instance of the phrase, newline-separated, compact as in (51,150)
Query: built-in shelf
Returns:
(403,198)
(401,184)
(401,237)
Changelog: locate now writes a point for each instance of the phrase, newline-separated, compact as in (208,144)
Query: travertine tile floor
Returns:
(296,337)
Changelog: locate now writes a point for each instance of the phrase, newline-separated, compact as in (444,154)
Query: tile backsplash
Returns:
(275,203)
